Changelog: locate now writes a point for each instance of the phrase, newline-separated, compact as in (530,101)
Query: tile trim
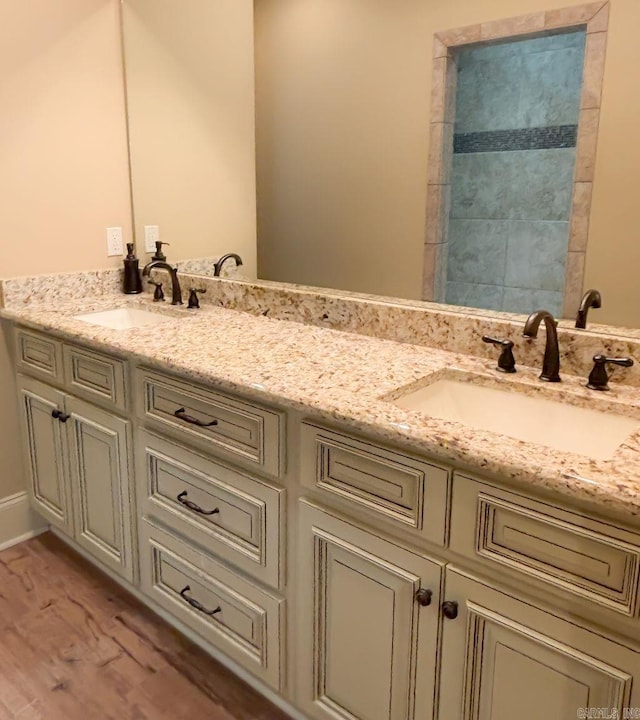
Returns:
(594,17)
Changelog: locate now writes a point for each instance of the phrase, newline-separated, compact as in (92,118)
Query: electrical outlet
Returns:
(114,241)
(151,237)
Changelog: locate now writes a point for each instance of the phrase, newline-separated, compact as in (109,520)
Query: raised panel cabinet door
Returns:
(368,628)
(503,658)
(45,451)
(100,464)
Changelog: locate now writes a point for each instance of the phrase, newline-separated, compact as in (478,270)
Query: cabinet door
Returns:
(100,466)
(503,658)
(366,646)
(45,451)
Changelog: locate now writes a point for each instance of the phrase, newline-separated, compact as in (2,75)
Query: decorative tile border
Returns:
(595,16)
(539,138)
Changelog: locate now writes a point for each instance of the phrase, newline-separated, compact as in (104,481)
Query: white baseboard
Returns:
(18,522)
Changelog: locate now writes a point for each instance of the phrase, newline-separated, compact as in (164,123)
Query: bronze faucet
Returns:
(217,268)
(551,362)
(176,292)
(591,299)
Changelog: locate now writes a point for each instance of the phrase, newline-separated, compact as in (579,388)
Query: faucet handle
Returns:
(158,293)
(598,378)
(506,361)
(194,302)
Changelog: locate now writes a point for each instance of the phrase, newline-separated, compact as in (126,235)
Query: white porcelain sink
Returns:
(557,425)
(124,318)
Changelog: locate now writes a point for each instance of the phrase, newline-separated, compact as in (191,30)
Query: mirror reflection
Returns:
(386,148)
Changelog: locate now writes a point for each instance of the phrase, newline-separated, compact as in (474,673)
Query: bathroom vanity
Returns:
(257,484)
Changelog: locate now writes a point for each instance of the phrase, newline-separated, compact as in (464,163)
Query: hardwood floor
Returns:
(74,645)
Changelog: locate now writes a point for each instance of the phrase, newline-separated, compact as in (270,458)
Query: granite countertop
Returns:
(350,378)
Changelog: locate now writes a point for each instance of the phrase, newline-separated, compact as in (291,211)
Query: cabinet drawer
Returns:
(589,558)
(39,355)
(238,518)
(399,487)
(97,377)
(229,427)
(231,613)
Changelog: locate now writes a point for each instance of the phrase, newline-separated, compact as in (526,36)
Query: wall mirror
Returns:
(479,153)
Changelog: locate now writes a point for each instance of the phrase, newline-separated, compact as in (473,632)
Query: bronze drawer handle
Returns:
(195,604)
(423,597)
(182,498)
(59,415)
(182,415)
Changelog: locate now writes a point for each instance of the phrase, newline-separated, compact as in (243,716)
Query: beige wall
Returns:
(63,155)
(190,90)
(353,106)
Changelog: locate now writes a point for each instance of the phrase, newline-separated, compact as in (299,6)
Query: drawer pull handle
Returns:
(195,604)
(182,498)
(182,415)
(423,597)
(450,609)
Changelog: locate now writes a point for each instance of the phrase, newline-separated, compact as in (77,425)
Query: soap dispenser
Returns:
(159,255)
(132,284)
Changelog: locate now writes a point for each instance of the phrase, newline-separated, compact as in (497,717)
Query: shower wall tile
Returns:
(477,251)
(541,184)
(487,297)
(536,255)
(550,88)
(481,186)
(518,300)
(515,85)
(488,94)
(522,185)
(508,48)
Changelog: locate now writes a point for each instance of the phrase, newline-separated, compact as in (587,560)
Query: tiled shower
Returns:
(516,119)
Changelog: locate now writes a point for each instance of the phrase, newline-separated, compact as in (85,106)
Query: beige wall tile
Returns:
(440,276)
(451,84)
(587,143)
(572,15)
(438,207)
(600,21)
(580,212)
(439,48)
(512,26)
(443,90)
(440,151)
(429,272)
(438,89)
(594,56)
(460,36)
(573,281)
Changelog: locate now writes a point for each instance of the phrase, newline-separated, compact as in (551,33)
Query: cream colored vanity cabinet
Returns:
(78,453)
(505,658)
(368,623)
(46,451)
(79,461)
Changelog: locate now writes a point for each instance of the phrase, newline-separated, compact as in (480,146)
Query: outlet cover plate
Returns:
(114,241)
(151,237)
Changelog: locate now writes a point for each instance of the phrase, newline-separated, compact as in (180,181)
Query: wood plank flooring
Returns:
(76,646)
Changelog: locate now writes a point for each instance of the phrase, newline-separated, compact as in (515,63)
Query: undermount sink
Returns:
(123,318)
(559,425)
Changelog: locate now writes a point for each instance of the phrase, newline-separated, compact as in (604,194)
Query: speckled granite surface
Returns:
(345,377)
(445,327)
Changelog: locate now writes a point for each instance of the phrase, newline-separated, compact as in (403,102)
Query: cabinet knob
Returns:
(450,609)
(423,597)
